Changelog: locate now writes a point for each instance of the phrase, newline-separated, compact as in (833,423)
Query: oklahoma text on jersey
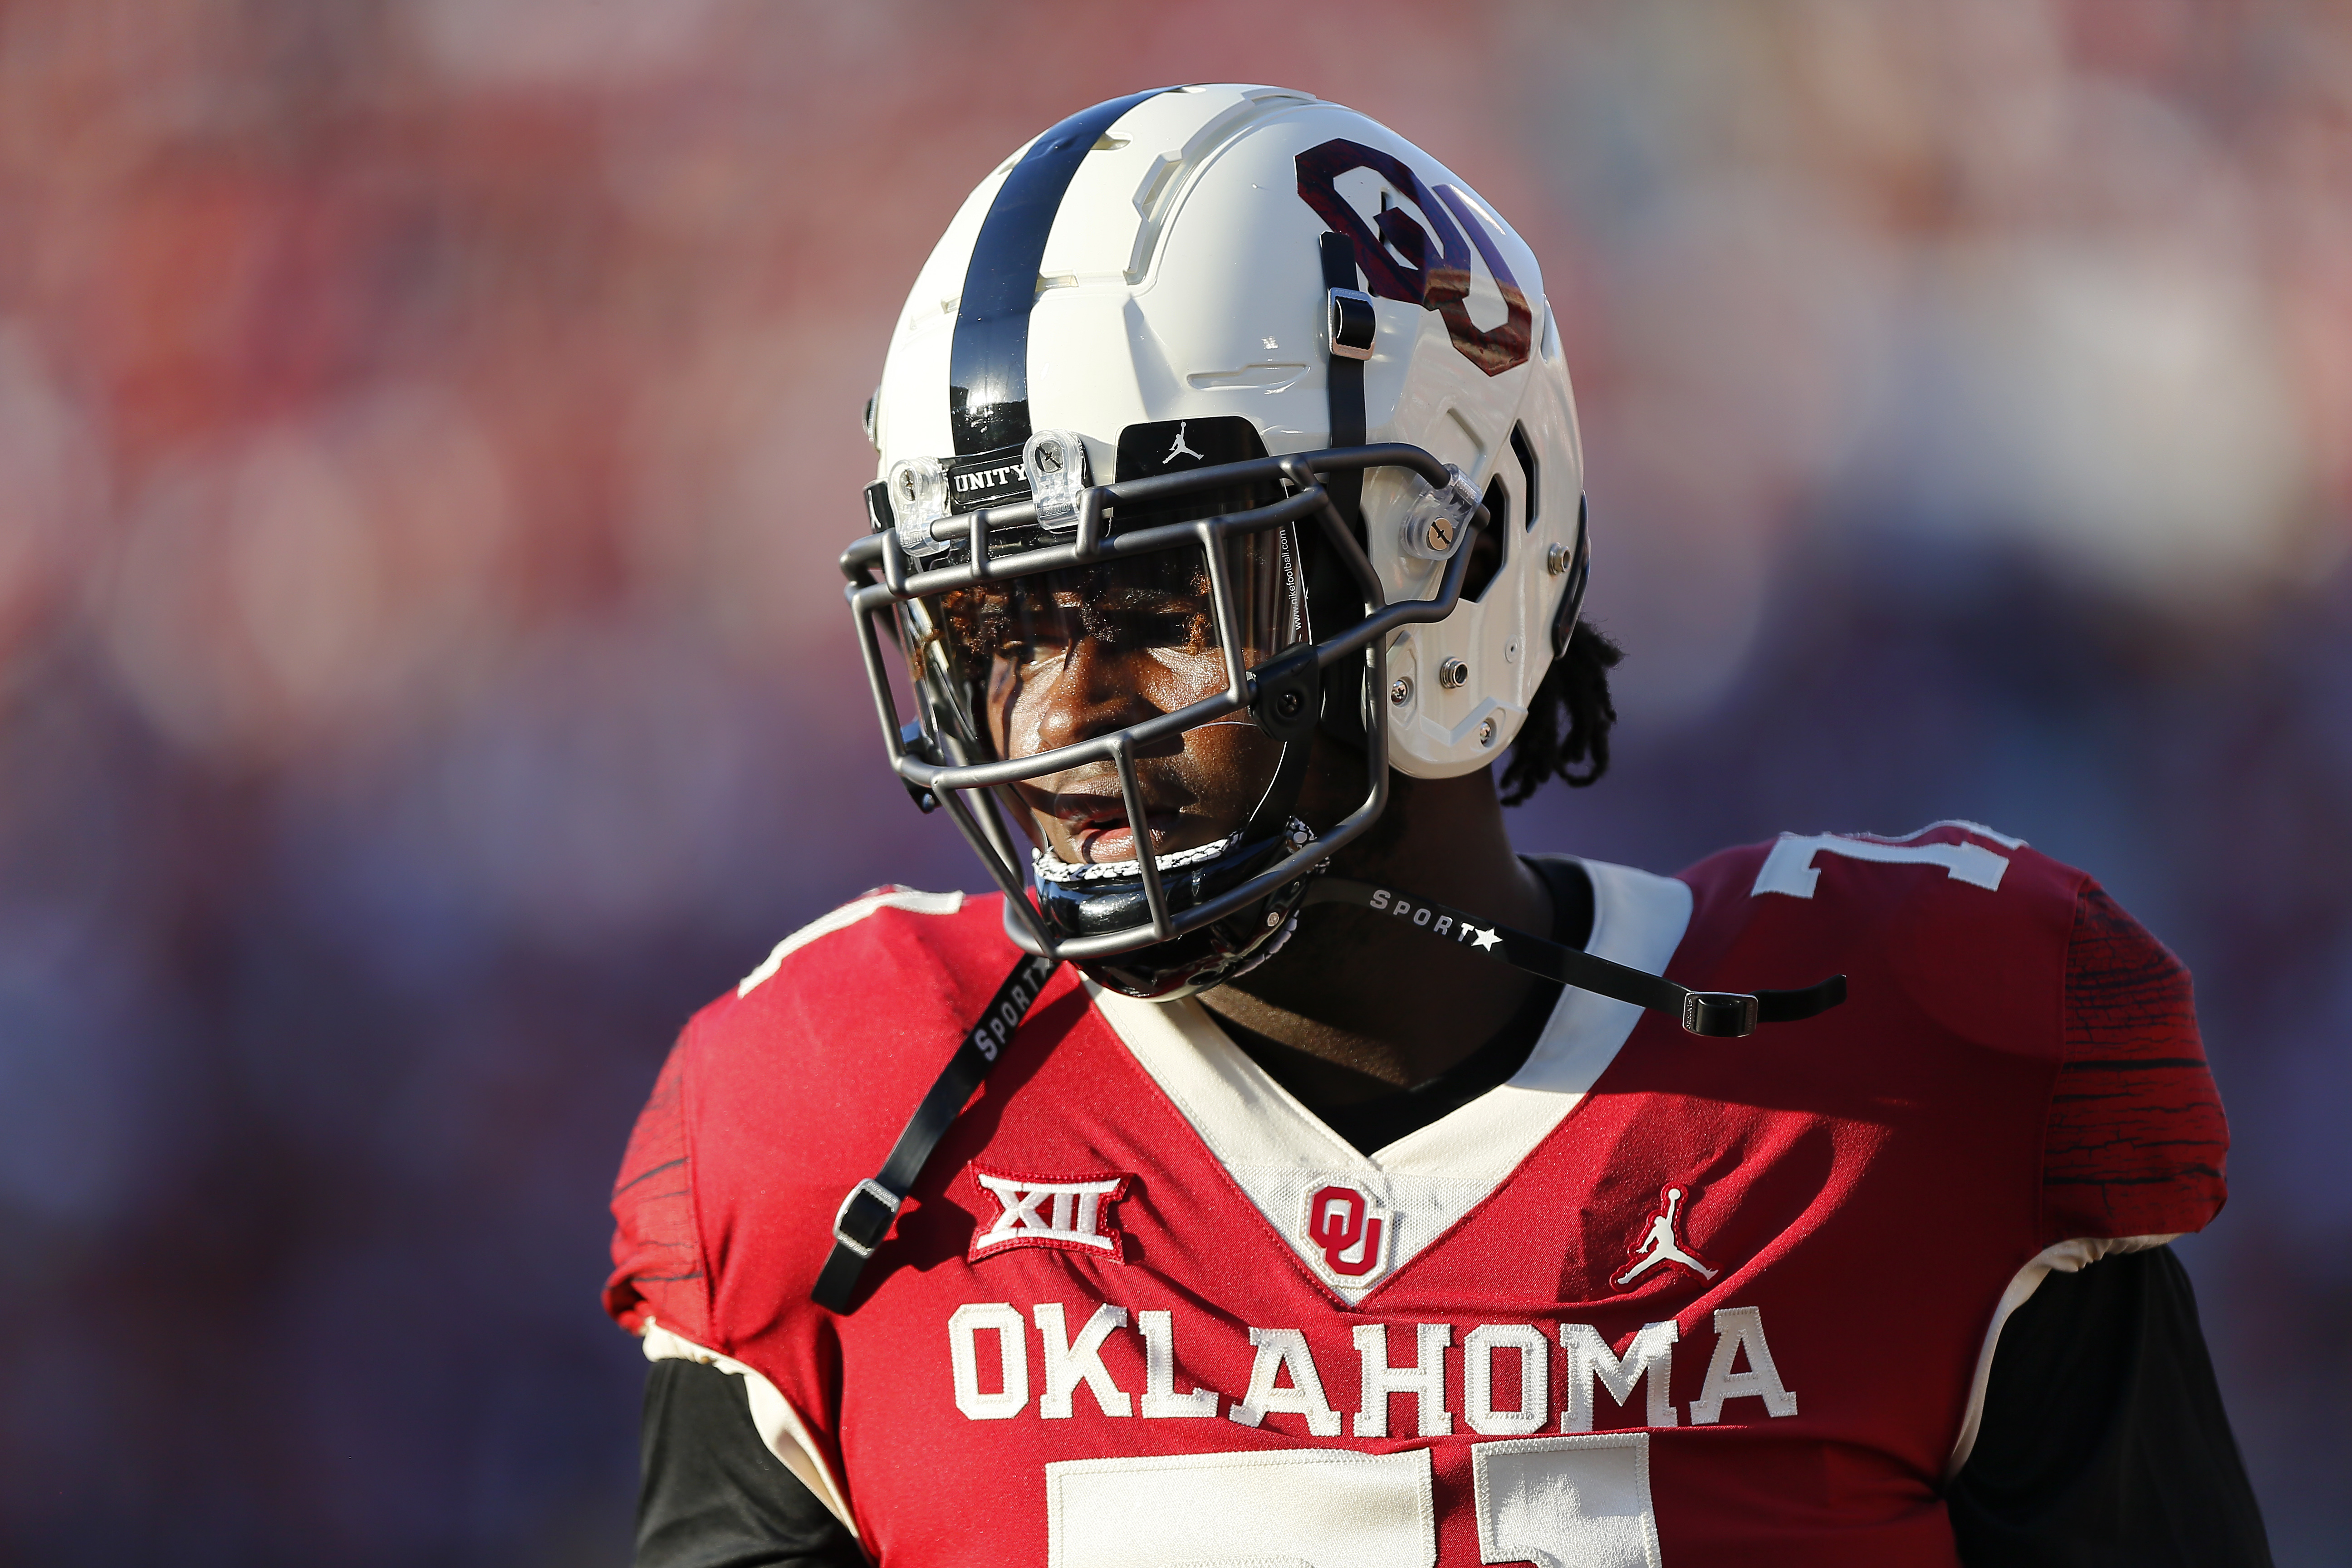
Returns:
(1657,1301)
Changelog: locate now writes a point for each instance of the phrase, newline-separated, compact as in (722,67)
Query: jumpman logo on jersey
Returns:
(1179,450)
(1661,1246)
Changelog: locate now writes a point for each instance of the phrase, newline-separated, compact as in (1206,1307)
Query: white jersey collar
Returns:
(1278,1151)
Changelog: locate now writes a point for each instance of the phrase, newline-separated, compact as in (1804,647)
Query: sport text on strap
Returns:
(1718,1015)
(866,1213)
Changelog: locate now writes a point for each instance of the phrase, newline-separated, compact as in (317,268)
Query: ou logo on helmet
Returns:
(1349,1231)
(1393,250)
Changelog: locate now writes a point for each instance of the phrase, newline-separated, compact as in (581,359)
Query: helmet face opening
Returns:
(1027,662)
(1036,662)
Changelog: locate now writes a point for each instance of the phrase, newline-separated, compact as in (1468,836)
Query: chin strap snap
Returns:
(1714,1015)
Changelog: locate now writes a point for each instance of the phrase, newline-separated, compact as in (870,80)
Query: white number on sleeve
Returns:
(1789,868)
(1549,1501)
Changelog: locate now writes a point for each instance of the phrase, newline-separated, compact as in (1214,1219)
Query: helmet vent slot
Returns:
(1489,545)
(1524,451)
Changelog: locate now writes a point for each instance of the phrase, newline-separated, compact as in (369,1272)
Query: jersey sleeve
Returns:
(780,1096)
(658,1268)
(2136,1139)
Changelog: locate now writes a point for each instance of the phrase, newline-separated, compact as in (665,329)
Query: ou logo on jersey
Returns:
(1348,1233)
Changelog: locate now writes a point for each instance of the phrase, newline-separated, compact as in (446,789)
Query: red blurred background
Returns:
(425,430)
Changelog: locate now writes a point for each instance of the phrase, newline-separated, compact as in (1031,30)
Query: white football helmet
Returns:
(1266,335)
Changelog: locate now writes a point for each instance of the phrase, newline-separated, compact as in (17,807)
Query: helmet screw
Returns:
(1273,919)
(1485,731)
(1289,704)
(1556,559)
(1440,533)
(1452,673)
(1400,691)
(1049,457)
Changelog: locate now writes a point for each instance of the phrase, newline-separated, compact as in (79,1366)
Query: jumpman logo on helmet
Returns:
(1660,1246)
(1179,450)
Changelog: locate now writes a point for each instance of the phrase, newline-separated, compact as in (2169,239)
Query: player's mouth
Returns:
(1097,829)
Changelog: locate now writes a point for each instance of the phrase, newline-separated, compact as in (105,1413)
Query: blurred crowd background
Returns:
(425,430)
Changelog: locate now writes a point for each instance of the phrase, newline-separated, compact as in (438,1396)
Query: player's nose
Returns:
(1092,692)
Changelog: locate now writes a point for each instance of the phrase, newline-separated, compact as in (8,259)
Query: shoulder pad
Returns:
(785,1092)
(888,897)
(1970,925)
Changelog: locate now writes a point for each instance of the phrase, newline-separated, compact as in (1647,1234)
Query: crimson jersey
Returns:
(1657,1300)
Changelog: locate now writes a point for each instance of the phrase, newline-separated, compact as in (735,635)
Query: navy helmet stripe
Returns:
(988,369)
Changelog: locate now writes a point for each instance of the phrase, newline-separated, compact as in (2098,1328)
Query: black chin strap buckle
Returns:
(1719,1015)
(1350,323)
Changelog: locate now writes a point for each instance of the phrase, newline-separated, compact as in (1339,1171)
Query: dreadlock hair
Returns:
(1568,721)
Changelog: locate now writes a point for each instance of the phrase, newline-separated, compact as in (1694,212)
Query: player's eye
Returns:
(1028,652)
(1039,630)
(1141,628)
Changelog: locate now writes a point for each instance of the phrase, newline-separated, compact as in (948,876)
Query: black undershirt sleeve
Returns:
(713,1496)
(2103,1443)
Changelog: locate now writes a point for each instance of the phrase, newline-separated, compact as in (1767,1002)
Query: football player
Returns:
(1276,1167)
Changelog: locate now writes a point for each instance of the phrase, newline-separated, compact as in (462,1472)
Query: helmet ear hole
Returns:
(1489,546)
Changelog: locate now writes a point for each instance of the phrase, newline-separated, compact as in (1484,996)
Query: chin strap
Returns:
(1335,597)
(1716,1014)
(866,1214)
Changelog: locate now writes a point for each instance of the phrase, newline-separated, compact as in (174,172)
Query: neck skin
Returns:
(1361,1007)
